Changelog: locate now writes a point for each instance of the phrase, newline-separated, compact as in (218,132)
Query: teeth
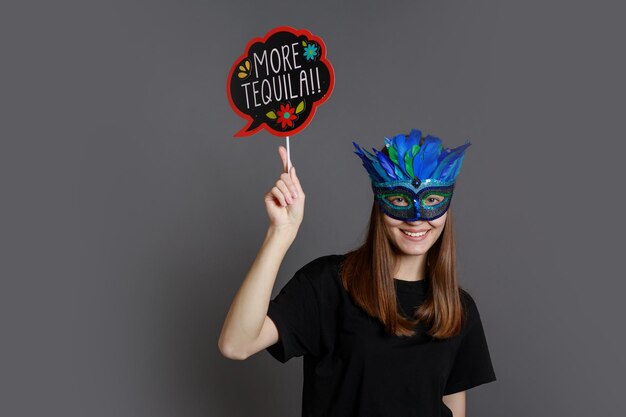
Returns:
(414,234)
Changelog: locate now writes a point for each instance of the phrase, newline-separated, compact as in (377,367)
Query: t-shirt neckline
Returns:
(419,285)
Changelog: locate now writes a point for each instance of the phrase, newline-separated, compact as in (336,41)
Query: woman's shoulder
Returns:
(322,266)
(469,305)
(317,279)
(466,298)
(321,272)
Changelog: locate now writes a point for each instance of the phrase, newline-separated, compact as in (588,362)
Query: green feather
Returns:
(408,160)
(393,154)
(408,163)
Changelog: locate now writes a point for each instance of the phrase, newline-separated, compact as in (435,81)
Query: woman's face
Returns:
(425,234)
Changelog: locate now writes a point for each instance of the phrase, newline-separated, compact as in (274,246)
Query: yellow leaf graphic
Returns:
(300,107)
(271,115)
(244,69)
(303,43)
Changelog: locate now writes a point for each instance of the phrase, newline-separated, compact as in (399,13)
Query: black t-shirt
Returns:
(353,368)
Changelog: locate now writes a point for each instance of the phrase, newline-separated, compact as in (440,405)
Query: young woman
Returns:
(385,330)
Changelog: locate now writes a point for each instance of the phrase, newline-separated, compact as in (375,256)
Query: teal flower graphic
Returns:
(310,51)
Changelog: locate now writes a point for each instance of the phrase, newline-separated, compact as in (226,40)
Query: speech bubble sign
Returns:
(279,81)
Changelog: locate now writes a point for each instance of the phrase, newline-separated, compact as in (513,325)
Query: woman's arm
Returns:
(248,310)
(456,403)
(246,328)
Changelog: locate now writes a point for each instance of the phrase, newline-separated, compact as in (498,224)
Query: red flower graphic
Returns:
(286,115)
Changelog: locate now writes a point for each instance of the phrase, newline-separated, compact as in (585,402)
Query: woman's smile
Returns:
(415,236)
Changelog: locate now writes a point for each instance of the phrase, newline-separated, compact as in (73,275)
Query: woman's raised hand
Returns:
(285,201)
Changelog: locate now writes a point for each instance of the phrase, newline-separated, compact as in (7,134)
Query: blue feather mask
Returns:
(413,179)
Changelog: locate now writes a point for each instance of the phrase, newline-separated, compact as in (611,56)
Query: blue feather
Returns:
(449,167)
(430,160)
(414,137)
(404,144)
(426,160)
(386,163)
(375,172)
(400,174)
(399,143)
(382,174)
(444,152)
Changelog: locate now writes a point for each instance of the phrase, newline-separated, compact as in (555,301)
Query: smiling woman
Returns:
(385,330)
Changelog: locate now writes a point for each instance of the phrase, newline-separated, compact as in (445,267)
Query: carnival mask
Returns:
(412,180)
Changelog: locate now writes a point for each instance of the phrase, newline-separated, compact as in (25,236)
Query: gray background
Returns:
(130,215)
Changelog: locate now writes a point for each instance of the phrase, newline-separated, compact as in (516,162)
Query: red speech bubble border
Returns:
(264,125)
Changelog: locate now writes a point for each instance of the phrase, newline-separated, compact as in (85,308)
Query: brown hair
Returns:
(366,274)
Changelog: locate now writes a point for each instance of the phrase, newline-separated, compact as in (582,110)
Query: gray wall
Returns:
(130,215)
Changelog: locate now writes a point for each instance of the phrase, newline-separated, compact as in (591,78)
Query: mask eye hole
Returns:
(433,199)
(398,200)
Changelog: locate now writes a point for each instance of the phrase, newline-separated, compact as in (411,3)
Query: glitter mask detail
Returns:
(416,199)
(415,172)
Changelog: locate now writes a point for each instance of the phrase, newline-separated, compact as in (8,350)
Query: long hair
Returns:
(366,274)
